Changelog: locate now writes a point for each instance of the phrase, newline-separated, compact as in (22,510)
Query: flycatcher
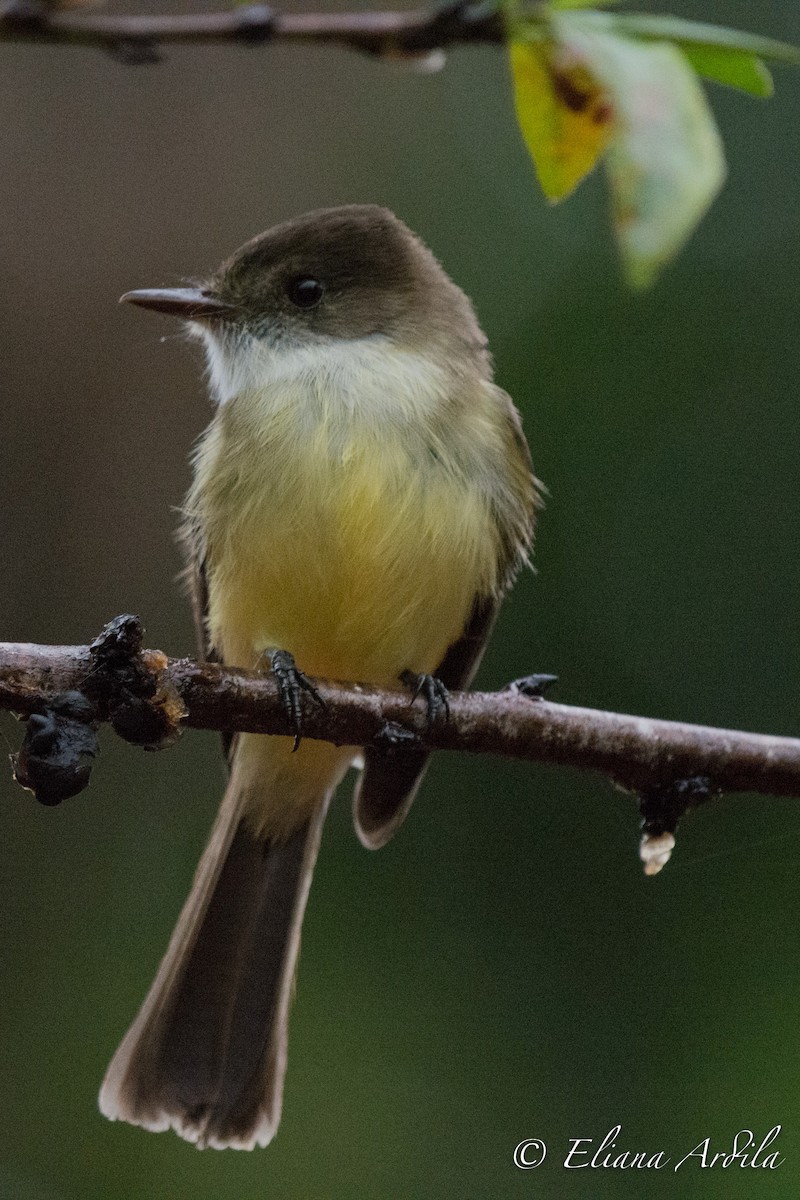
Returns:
(361,501)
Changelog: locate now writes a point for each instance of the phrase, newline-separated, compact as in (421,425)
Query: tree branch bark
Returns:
(639,753)
(380,33)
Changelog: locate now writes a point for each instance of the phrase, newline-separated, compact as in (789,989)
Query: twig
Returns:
(380,33)
(636,752)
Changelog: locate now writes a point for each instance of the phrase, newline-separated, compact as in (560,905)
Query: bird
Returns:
(362,500)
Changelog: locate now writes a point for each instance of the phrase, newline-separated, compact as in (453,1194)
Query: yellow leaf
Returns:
(563,112)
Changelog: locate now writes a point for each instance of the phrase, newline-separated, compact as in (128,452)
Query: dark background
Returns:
(502,970)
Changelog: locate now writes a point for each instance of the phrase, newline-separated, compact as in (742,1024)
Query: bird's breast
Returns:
(347,534)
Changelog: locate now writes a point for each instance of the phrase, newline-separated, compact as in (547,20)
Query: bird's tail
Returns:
(206,1055)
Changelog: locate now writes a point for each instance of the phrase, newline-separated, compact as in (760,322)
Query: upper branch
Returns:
(381,33)
(637,752)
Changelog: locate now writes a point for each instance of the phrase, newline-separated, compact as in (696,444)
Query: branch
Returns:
(136,36)
(637,752)
(64,692)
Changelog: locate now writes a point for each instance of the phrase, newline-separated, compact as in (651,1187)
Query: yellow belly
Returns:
(358,565)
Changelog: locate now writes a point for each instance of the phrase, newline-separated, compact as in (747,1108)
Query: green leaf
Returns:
(725,55)
(736,68)
(665,163)
(697,33)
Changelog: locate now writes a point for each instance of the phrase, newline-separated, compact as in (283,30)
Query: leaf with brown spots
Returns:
(563,112)
(666,163)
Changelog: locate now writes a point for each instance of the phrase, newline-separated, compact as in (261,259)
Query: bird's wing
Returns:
(196,581)
(390,780)
(197,584)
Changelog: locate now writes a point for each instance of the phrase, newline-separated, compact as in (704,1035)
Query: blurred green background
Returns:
(502,970)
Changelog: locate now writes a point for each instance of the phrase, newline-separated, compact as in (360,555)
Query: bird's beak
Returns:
(190,303)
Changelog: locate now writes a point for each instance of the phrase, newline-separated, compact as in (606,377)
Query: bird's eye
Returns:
(304,291)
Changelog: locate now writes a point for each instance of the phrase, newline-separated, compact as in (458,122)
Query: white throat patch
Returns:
(365,372)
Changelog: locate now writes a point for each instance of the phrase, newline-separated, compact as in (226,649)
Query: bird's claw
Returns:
(291,685)
(532,686)
(433,691)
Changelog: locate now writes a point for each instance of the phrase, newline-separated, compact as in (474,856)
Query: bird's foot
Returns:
(291,685)
(433,691)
